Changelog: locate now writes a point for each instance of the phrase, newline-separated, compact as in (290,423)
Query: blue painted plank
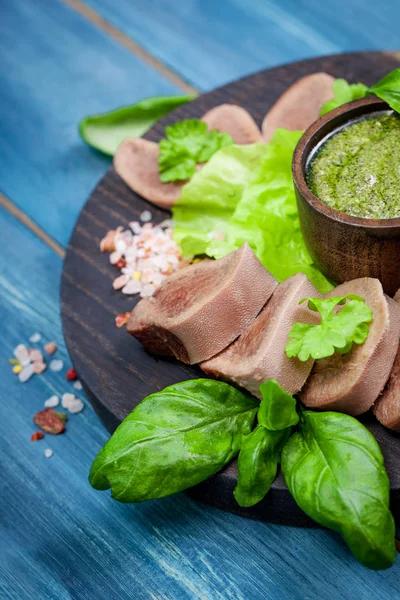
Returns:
(210,43)
(61,539)
(55,68)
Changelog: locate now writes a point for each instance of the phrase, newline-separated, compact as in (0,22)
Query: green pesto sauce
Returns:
(357,170)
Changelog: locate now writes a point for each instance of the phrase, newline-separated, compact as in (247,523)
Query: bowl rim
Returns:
(305,146)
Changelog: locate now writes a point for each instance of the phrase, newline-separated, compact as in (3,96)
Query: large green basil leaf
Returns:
(258,463)
(334,469)
(173,440)
(388,89)
(278,408)
(106,131)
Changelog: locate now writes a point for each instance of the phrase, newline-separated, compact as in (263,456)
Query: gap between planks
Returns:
(31,225)
(92,16)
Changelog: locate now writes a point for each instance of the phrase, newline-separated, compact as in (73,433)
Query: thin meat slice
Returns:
(201,309)
(351,383)
(259,354)
(234,120)
(387,407)
(300,105)
(136,162)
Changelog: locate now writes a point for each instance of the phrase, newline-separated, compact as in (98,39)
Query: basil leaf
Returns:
(388,89)
(334,469)
(278,408)
(258,464)
(106,131)
(173,440)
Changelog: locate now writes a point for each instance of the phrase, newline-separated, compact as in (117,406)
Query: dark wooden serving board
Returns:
(115,370)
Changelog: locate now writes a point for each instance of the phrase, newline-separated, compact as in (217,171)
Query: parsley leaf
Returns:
(188,143)
(338,329)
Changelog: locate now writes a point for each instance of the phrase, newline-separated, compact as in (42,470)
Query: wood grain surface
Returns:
(210,43)
(114,367)
(55,69)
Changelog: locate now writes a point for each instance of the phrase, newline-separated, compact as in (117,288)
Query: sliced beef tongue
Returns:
(200,310)
(387,407)
(259,353)
(351,383)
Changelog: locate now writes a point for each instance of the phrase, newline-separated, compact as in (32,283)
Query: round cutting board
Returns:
(115,370)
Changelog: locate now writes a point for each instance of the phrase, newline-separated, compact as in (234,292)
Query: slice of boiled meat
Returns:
(234,120)
(136,162)
(201,309)
(259,354)
(300,105)
(351,383)
(387,407)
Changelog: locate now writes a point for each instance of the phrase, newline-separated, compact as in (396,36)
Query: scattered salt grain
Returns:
(77,385)
(50,347)
(145,255)
(132,287)
(21,353)
(35,338)
(56,365)
(146,216)
(35,355)
(52,402)
(76,406)
(39,367)
(67,399)
(120,282)
(26,373)
(48,453)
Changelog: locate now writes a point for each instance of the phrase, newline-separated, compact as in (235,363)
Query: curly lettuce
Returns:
(246,194)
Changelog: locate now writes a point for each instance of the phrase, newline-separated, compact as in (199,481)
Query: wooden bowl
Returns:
(344,247)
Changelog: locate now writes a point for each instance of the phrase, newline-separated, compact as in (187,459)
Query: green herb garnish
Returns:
(188,143)
(278,408)
(173,440)
(387,89)
(334,469)
(337,331)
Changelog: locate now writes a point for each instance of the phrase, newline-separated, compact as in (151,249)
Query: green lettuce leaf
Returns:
(344,92)
(246,194)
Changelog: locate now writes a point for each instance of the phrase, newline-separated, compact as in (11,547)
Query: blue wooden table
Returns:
(61,60)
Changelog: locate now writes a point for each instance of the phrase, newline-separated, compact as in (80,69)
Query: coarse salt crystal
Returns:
(26,373)
(56,365)
(35,338)
(115,257)
(147,290)
(52,402)
(48,453)
(39,367)
(21,353)
(35,355)
(76,406)
(50,347)
(77,385)
(67,399)
(132,287)
(120,281)
(146,216)
(135,226)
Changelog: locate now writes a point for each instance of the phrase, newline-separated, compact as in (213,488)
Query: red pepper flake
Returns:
(49,421)
(122,319)
(38,435)
(121,263)
(71,375)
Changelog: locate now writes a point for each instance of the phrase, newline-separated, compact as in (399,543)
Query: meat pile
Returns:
(232,317)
